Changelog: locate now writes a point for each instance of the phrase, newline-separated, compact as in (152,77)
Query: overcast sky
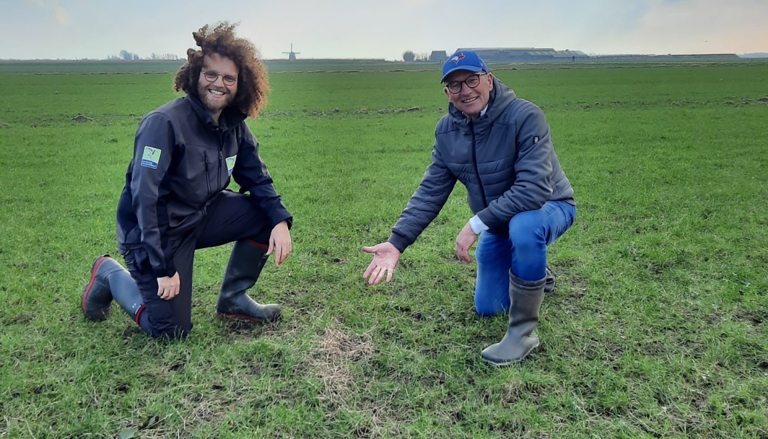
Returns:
(74,29)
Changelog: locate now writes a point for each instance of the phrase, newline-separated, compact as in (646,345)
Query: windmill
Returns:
(292,54)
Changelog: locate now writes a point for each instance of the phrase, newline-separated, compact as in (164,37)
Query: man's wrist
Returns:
(477,225)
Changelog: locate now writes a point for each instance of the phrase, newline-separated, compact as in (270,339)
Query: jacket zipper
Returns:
(474,162)
(207,172)
(221,156)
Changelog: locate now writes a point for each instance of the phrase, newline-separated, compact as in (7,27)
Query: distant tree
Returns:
(409,56)
(128,56)
(163,56)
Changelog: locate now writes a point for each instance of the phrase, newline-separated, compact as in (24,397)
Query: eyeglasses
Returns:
(472,81)
(213,76)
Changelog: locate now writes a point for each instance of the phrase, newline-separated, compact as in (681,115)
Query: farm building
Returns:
(438,56)
(522,54)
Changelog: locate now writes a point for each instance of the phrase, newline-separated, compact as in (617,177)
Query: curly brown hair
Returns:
(252,82)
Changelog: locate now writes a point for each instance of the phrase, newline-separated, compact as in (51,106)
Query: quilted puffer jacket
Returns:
(505,158)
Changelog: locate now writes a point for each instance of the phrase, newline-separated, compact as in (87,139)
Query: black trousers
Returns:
(229,218)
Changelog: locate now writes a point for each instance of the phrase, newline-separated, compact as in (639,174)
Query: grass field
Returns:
(657,327)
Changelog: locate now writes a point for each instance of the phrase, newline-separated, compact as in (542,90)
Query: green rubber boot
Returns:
(243,270)
(520,338)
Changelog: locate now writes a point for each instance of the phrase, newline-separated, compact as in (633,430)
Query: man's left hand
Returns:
(280,242)
(464,241)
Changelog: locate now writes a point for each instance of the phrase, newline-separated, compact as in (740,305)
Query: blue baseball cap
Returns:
(463,60)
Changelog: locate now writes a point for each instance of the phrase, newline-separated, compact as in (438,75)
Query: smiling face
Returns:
(219,93)
(470,101)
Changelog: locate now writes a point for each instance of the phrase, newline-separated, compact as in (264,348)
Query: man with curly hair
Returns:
(175,199)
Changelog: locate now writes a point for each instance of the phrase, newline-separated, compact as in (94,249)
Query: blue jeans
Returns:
(524,252)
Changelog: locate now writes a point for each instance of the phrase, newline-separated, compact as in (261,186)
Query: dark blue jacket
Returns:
(181,161)
(504,158)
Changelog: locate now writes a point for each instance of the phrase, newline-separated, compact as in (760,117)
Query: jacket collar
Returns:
(229,118)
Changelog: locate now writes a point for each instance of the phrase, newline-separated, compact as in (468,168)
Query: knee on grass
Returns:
(171,332)
(486,309)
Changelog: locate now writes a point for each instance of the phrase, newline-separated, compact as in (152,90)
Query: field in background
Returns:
(657,327)
(95,67)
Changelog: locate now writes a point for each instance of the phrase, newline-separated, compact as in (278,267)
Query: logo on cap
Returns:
(457,58)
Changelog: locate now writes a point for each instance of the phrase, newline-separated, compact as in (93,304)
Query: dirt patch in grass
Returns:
(81,118)
(755,318)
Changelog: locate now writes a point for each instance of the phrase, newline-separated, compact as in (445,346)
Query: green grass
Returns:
(656,329)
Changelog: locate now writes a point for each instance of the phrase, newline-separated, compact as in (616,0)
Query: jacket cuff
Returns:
(281,215)
(164,272)
(488,218)
(400,242)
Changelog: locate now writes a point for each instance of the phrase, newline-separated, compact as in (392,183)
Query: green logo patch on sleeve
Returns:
(151,157)
(231,163)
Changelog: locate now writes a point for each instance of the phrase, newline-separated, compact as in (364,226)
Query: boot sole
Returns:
(510,362)
(87,290)
(247,318)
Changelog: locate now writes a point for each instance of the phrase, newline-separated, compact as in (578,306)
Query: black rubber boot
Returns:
(109,280)
(245,264)
(549,281)
(520,338)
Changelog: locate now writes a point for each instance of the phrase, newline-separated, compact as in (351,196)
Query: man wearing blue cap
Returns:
(499,147)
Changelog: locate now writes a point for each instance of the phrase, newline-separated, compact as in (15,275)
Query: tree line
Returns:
(125,55)
(410,56)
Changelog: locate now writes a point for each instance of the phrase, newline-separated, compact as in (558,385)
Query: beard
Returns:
(215,104)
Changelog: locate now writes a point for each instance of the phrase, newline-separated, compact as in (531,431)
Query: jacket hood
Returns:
(500,98)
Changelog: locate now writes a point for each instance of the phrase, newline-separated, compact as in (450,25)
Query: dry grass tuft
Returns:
(336,350)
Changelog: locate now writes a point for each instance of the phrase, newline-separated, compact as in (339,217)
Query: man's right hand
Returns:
(385,257)
(168,287)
